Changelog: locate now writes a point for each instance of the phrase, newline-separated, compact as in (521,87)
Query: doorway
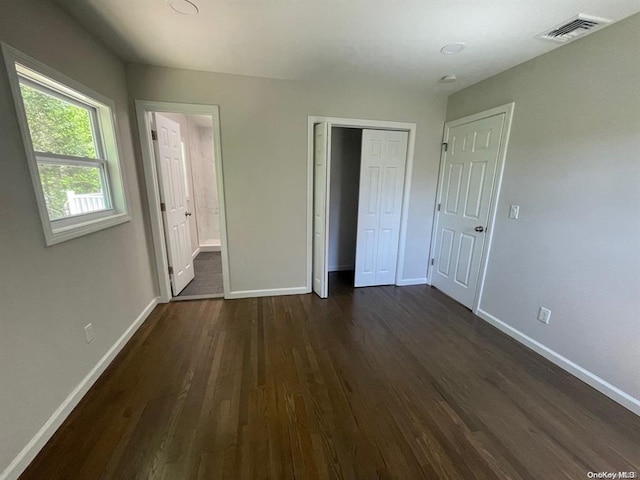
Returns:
(360,172)
(183,170)
(344,185)
(471,169)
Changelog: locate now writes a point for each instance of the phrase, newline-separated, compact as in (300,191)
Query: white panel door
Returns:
(320,209)
(383,160)
(465,186)
(174,197)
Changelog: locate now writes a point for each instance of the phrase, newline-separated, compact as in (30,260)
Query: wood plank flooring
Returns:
(375,383)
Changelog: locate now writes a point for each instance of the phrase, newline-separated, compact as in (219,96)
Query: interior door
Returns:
(174,198)
(320,209)
(384,155)
(465,186)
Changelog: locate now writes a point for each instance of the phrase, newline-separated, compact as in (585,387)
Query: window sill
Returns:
(63,234)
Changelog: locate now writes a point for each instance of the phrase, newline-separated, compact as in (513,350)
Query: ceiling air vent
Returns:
(576,27)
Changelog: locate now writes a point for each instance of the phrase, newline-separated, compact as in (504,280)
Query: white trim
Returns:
(573,368)
(412,281)
(411,128)
(107,132)
(29,452)
(271,292)
(195,253)
(210,248)
(507,110)
(143,109)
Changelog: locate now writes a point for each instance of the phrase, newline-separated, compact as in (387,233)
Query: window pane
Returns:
(57,126)
(72,189)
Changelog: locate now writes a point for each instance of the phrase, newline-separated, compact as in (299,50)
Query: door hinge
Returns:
(154,135)
(163,207)
(439,205)
(446,146)
(170,270)
(432,261)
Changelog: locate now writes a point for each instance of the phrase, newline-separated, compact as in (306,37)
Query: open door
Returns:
(467,178)
(384,155)
(173,195)
(320,209)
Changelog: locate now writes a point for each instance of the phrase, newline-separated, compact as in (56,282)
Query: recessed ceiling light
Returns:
(183,7)
(448,79)
(452,48)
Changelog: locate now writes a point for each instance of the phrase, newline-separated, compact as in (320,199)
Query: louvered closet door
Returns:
(384,155)
(320,210)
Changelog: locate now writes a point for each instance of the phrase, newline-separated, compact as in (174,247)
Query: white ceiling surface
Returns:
(322,40)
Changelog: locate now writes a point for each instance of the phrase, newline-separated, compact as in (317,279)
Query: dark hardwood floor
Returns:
(374,383)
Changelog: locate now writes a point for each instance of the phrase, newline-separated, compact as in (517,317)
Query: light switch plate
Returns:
(514,212)
(544,315)
(89,333)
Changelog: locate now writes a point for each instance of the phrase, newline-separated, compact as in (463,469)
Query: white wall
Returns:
(264,159)
(573,166)
(48,294)
(205,189)
(346,144)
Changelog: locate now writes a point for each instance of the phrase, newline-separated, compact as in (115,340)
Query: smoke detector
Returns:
(452,48)
(448,79)
(574,28)
(183,7)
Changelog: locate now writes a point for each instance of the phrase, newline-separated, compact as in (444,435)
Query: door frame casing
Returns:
(411,128)
(143,109)
(507,110)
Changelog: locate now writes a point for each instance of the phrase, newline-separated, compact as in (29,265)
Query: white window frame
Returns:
(105,138)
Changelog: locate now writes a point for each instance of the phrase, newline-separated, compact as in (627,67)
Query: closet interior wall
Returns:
(344,182)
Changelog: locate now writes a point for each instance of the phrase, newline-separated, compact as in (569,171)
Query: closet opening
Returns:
(344,188)
(359,181)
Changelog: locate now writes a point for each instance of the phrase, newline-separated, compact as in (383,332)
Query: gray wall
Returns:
(573,166)
(264,159)
(346,145)
(48,294)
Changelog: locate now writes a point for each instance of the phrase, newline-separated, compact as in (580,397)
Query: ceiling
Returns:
(338,40)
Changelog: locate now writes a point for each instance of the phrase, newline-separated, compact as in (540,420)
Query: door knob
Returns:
(479,229)
(187,214)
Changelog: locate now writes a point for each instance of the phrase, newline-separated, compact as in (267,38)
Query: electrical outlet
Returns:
(544,315)
(89,333)
(514,212)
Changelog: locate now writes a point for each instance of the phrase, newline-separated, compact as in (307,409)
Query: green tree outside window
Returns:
(61,128)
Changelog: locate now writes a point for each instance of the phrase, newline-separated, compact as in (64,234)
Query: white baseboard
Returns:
(574,369)
(29,452)
(273,292)
(411,281)
(195,254)
(210,248)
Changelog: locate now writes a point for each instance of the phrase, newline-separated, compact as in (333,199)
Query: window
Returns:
(70,140)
